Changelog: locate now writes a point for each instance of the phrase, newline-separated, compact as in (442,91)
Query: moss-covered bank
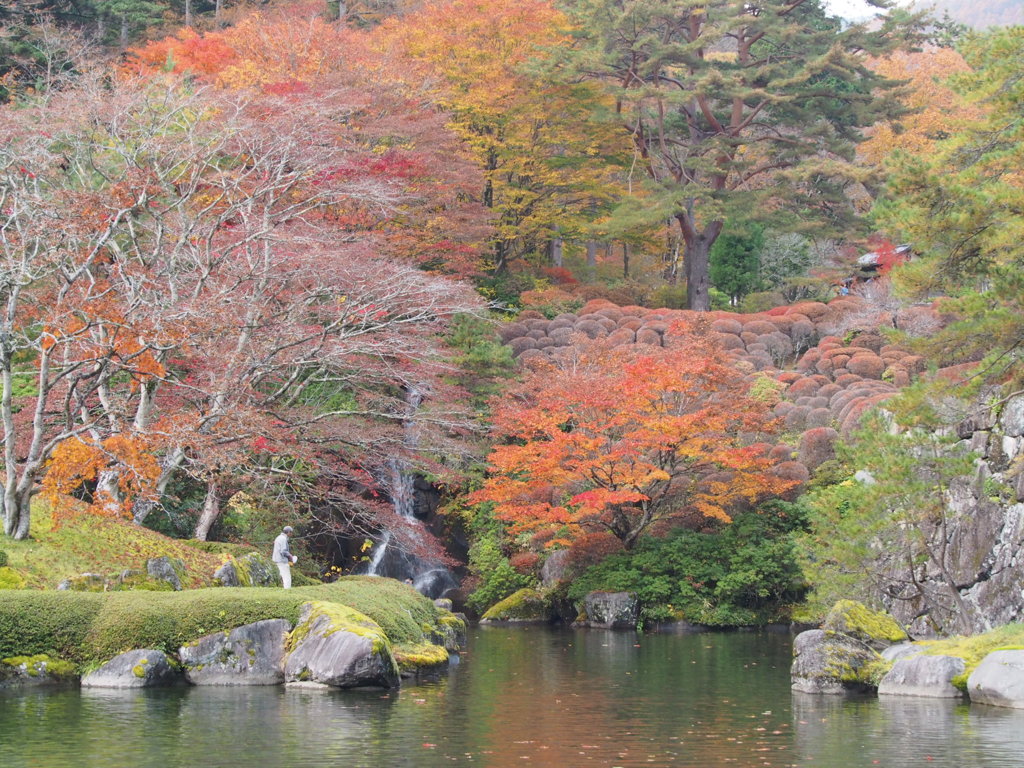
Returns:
(86,628)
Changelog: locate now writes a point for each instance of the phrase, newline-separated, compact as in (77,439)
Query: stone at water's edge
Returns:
(831,663)
(900,651)
(612,610)
(249,655)
(925,676)
(338,646)
(875,629)
(998,680)
(135,669)
(527,606)
(35,671)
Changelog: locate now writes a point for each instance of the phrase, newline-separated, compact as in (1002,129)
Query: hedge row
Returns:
(85,627)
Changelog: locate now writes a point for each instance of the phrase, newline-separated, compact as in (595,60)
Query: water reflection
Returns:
(521,697)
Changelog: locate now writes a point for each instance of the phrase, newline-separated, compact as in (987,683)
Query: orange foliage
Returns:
(75,463)
(621,438)
(936,109)
(258,52)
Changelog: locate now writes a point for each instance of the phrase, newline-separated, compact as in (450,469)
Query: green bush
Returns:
(745,573)
(86,627)
(11,579)
(497,578)
(3,558)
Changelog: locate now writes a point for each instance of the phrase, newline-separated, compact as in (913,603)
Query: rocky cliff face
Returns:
(982,535)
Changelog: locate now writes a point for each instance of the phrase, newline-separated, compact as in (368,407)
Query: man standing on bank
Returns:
(283,557)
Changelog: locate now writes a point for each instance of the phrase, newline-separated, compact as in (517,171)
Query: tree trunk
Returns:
(625,260)
(336,9)
(555,249)
(17,513)
(591,253)
(216,12)
(211,511)
(188,13)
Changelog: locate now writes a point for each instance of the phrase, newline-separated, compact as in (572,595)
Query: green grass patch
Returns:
(91,544)
(86,627)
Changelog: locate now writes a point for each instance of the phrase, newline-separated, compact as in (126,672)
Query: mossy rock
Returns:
(170,570)
(420,657)
(834,663)
(251,570)
(84,582)
(39,669)
(138,580)
(336,645)
(526,605)
(449,631)
(876,629)
(11,579)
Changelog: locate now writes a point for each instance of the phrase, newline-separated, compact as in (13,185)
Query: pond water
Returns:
(521,697)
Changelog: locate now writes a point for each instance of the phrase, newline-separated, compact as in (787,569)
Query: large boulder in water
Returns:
(144,668)
(249,655)
(527,606)
(833,663)
(998,680)
(875,629)
(612,610)
(338,646)
(926,676)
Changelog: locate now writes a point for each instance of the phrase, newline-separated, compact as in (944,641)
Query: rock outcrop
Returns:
(611,610)
(527,606)
(145,668)
(999,680)
(337,646)
(832,663)
(249,655)
(252,570)
(981,534)
(925,676)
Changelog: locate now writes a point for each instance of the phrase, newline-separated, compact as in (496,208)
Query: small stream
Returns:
(521,696)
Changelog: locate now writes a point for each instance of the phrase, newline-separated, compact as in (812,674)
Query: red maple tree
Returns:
(623,438)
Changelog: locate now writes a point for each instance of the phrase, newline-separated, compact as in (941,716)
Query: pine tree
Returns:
(738,107)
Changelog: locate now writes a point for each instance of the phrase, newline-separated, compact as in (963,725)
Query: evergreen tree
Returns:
(738,107)
(735,261)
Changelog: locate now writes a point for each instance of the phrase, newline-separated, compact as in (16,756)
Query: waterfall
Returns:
(431,578)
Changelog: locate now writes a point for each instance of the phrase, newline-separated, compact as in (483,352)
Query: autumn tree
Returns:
(442,225)
(623,439)
(178,276)
(958,203)
(549,166)
(935,111)
(735,108)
